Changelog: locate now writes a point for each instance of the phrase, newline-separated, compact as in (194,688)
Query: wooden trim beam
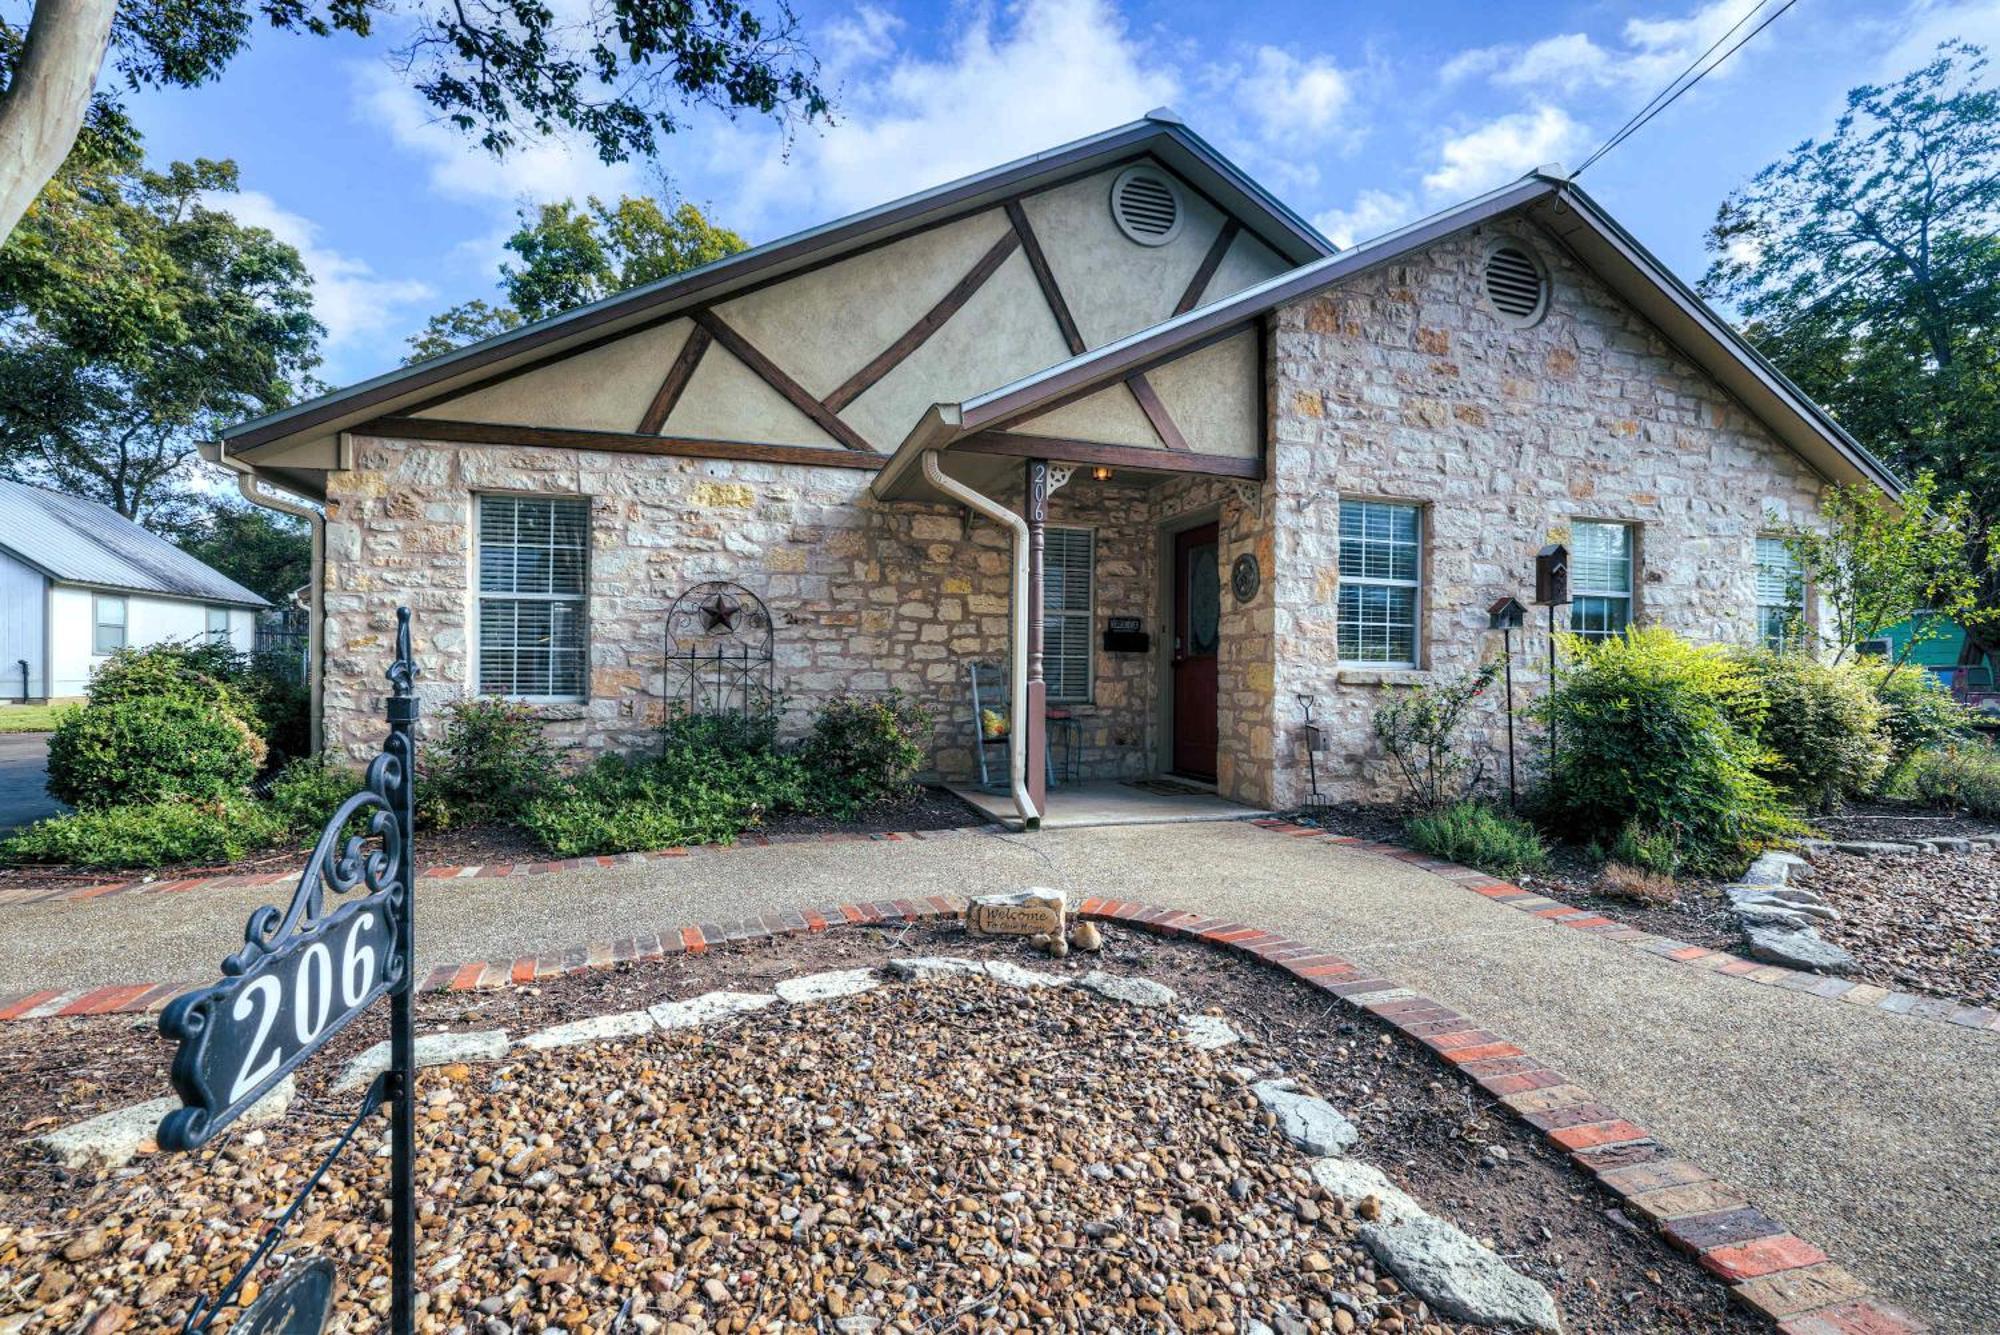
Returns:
(615,442)
(1156,412)
(1045,277)
(933,320)
(676,381)
(773,375)
(1018,445)
(1205,272)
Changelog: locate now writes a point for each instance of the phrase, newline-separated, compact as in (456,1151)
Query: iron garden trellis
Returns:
(720,651)
(303,976)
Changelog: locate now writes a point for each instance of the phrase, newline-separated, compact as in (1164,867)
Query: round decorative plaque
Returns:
(1244,577)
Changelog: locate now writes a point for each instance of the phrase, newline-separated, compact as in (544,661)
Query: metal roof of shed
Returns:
(74,541)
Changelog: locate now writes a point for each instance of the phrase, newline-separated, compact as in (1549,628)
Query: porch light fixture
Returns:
(1100,474)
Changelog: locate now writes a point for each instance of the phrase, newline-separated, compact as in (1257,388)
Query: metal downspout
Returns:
(1017,656)
(246,484)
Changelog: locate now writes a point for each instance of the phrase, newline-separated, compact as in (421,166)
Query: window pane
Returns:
(1377,624)
(110,611)
(1599,618)
(536,548)
(1600,558)
(1067,568)
(1379,540)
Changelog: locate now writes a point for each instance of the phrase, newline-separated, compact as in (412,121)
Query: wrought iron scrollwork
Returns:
(720,651)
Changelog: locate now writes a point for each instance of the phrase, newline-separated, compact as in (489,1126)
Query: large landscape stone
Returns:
(480,1045)
(1351,1181)
(1207,1033)
(595,1029)
(826,986)
(1457,1276)
(924,968)
(1803,948)
(1309,1122)
(709,1007)
(1029,912)
(112,1138)
(1013,975)
(1133,991)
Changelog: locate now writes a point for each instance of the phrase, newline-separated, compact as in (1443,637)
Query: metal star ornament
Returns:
(719,613)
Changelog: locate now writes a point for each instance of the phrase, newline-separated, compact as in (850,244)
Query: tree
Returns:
(137,318)
(572,256)
(1876,564)
(1867,268)
(618,71)
(264,551)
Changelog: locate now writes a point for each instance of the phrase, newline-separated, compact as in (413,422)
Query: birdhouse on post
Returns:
(1506,614)
(1552,575)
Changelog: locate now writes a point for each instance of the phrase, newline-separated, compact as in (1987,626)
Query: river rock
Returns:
(1309,1122)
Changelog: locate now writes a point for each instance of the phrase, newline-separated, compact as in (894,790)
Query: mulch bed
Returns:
(506,845)
(953,1154)
(1924,923)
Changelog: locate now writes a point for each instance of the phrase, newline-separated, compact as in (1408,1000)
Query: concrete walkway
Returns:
(1871,1133)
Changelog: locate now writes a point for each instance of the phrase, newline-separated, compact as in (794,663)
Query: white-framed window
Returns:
(533,575)
(107,617)
(218,625)
(1068,565)
(1381,583)
(1600,579)
(1780,594)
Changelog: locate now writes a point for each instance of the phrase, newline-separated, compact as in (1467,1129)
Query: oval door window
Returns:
(1204,595)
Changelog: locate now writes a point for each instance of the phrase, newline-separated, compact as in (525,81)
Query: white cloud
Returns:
(1648,52)
(1503,149)
(1372,213)
(349,298)
(1567,62)
(1289,96)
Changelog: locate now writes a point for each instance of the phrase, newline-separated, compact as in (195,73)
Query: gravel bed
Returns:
(1924,923)
(949,1155)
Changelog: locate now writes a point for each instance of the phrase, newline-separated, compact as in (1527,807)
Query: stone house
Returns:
(1112,420)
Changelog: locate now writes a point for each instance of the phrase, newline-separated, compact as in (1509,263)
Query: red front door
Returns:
(1197,629)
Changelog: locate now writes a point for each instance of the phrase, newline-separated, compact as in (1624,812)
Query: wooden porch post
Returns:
(1032,731)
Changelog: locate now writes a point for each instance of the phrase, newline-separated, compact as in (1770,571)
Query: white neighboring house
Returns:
(78,581)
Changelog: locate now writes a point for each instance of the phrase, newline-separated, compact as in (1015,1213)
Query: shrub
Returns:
(282,696)
(863,752)
(1960,775)
(1419,729)
(199,672)
(147,749)
(308,791)
(157,834)
(1821,728)
(619,805)
(1652,729)
(1917,711)
(1648,850)
(1478,836)
(489,764)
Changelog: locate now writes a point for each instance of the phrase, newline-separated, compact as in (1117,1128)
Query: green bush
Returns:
(1648,850)
(1478,836)
(146,749)
(308,791)
(199,672)
(1917,711)
(1821,727)
(863,752)
(283,699)
(1654,730)
(490,763)
(1419,729)
(1958,776)
(158,834)
(620,805)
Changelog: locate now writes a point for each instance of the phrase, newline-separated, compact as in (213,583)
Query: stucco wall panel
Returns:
(1246,263)
(605,389)
(1111,416)
(1213,395)
(726,400)
(825,325)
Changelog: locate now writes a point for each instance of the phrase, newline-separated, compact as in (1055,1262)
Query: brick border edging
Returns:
(20,895)
(1916,1005)
(1764,1265)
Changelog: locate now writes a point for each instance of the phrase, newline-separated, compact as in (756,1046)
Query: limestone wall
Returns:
(1402,385)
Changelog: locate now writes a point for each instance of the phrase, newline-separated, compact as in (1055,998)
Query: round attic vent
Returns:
(1516,286)
(1146,206)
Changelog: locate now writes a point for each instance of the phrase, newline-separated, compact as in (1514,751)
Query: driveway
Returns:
(23,768)
(1868,1131)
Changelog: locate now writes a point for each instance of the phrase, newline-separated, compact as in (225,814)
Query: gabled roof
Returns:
(76,541)
(1160,134)
(1555,203)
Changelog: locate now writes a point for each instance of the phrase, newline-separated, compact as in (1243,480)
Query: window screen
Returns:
(1381,550)
(108,614)
(533,573)
(1600,580)
(1066,616)
(1780,594)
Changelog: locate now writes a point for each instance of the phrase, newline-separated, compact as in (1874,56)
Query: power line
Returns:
(1667,96)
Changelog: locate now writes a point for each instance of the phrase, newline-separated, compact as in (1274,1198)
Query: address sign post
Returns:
(302,976)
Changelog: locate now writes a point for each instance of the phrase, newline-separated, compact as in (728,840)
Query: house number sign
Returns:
(305,973)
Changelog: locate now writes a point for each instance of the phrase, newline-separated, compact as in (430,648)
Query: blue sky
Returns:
(1360,115)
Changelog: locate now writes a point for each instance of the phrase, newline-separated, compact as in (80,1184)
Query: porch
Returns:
(1155,800)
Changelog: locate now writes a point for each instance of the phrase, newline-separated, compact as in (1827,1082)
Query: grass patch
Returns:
(1476,835)
(31,718)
